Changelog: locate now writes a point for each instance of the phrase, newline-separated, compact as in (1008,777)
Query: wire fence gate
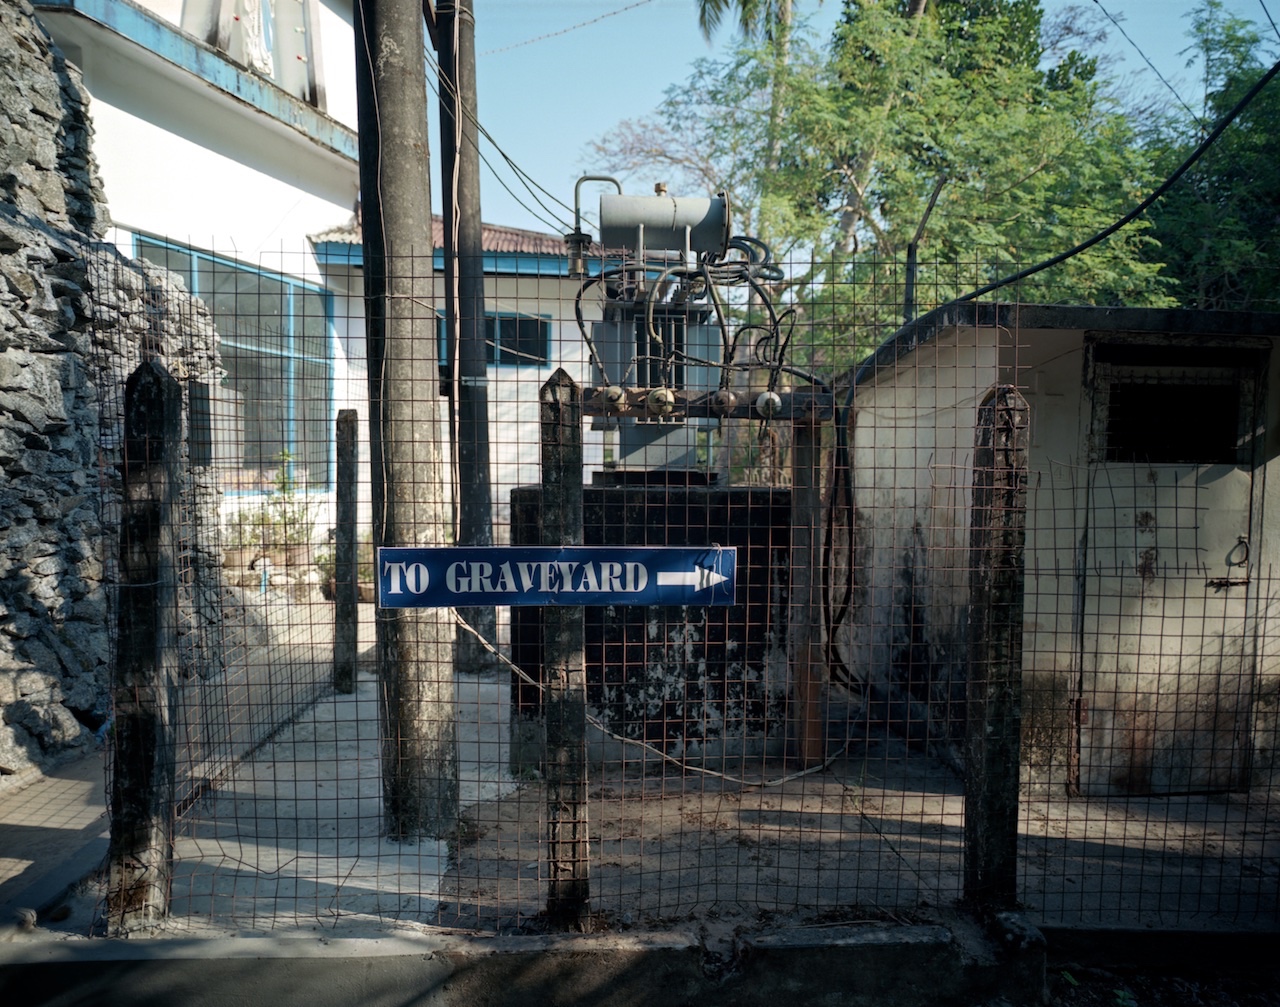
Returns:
(999,627)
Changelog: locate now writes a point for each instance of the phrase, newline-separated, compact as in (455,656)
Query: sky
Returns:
(555,75)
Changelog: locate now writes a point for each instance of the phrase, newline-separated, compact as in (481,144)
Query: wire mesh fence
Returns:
(1074,711)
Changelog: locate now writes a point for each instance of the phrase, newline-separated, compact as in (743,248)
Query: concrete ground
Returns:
(285,885)
(53,833)
(290,839)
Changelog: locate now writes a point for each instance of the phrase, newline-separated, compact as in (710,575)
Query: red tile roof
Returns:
(492,238)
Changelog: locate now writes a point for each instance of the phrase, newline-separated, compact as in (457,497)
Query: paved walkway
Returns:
(53,833)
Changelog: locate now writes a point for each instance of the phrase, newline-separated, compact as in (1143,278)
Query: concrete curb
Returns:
(888,966)
(1184,952)
(923,965)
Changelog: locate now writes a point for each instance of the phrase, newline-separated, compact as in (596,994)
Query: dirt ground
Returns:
(670,848)
(293,840)
(881,829)
(291,843)
(1076,986)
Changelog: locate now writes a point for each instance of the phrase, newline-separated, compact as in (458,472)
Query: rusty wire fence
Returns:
(999,627)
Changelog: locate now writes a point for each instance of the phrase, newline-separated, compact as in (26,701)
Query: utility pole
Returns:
(454,37)
(419,750)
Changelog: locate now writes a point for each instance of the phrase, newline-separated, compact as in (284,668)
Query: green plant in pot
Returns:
(326,562)
(279,527)
(290,516)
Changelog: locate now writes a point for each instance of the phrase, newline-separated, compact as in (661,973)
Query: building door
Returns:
(1166,646)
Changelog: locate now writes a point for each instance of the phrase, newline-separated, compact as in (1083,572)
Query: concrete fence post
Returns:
(564,664)
(808,674)
(346,611)
(140,857)
(994,681)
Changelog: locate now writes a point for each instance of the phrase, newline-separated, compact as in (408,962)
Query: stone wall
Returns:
(75,319)
(46,157)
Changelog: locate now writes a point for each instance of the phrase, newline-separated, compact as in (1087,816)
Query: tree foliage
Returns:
(754,17)
(1218,228)
(944,129)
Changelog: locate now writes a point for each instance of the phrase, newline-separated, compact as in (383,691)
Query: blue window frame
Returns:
(276,401)
(511,340)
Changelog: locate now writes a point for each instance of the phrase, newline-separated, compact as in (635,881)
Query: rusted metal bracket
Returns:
(1081,704)
(658,404)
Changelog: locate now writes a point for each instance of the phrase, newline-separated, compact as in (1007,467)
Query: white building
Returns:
(225,132)
(1149,645)
(531,331)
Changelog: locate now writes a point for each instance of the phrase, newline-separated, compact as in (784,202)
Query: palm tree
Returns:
(754,16)
(770,20)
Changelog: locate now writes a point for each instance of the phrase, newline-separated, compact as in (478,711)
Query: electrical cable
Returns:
(751,263)
(756,264)
(1142,207)
(650,329)
(595,722)
(453,308)
(807,376)
(868,366)
(380,520)
(1263,5)
(565,31)
(841,480)
(728,345)
(527,180)
(582,327)
(775,361)
(1145,59)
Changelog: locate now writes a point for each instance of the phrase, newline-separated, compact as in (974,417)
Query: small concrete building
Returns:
(1150,645)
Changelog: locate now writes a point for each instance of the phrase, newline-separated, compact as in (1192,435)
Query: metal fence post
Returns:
(145,692)
(564,665)
(996,582)
(346,611)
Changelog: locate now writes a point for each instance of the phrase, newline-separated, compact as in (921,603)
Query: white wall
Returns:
(339,60)
(176,188)
(331,36)
(912,462)
(181,160)
(515,447)
(170,10)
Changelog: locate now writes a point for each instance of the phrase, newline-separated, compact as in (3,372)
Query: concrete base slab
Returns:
(882,965)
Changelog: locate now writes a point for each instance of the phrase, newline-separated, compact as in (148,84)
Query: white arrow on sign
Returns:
(700,578)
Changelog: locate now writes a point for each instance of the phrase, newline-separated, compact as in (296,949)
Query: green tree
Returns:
(1217,229)
(1024,161)
(931,129)
(771,21)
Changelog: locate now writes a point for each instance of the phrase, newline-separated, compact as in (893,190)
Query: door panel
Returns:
(1165,641)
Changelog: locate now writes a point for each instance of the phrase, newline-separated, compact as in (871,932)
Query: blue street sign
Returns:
(555,575)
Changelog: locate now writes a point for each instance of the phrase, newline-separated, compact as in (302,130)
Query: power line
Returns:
(565,31)
(1263,5)
(526,179)
(1142,207)
(529,183)
(1138,48)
